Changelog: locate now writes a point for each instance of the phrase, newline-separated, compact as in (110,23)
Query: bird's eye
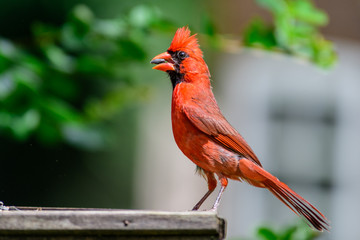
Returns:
(182,55)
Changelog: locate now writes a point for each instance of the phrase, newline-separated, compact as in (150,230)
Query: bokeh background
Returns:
(85,122)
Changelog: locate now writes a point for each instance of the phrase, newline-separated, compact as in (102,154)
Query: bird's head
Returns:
(183,60)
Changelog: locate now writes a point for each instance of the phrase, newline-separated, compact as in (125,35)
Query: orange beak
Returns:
(164,62)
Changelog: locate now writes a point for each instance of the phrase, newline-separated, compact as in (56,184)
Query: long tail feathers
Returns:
(298,204)
(259,177)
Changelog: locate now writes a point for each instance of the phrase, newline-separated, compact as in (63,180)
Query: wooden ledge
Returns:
(64,224)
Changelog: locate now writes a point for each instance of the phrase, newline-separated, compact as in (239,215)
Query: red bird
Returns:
(204,135)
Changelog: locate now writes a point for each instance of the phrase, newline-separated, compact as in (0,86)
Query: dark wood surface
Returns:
(60,223)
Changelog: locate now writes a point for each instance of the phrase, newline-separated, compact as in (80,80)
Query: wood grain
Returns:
(64,224)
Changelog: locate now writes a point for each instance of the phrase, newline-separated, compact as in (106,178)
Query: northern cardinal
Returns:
(204,135)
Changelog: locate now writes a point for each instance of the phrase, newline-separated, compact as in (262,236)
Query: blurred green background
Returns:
(72,76)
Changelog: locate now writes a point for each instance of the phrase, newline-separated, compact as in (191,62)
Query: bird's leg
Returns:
(202,200)
(224,183)
(211,185)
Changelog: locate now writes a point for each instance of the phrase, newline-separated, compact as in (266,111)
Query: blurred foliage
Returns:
(294,31)
(68,81)
(300,231)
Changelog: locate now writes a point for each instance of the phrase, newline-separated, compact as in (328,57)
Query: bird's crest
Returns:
(184,41)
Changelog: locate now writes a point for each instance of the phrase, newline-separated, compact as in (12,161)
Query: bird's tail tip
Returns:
(313,217)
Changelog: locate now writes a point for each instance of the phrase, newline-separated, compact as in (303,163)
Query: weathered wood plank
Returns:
(29,223)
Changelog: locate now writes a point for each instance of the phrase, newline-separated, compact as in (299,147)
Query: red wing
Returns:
(212,122)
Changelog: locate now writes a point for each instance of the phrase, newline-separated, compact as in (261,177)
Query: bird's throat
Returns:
(175,78)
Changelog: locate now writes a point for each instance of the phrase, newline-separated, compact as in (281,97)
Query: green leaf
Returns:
(267,234)
(81,14)
(7,85)
(21,126)
(289,233)
(26,77)
(59,59)
(295,31)
(80,22)
(7,49)
(303,30)
(143,16)
(59,110)
(284,31)
(304,10)
(208,26)
(70,38)
(112,29)
(32,63)
(90,64)
(130,50)
(324,54)
(27,123)
(259,34)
